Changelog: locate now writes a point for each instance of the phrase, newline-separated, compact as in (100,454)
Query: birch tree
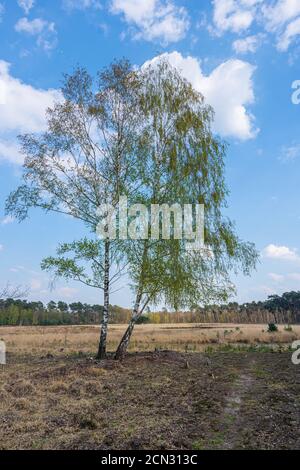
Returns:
(184,164)
(83,160)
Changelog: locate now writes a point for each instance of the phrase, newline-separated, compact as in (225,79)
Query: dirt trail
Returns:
(261,407)
(232,413)
(227,434)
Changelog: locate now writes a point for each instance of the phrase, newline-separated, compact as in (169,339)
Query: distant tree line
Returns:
(22,312)
(278,309)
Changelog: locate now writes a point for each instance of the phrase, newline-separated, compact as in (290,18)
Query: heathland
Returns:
(221,387)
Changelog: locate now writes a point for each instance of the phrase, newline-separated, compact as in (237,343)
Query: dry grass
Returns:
(150,401)
(64,340)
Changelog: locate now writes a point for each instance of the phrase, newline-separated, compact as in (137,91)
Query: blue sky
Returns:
(243,55)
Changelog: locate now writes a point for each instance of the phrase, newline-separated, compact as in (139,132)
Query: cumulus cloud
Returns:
(153,20)
(25,105)
(26,5)
(43,30)
(281,253)
(248,44)
(23,111)
(229,89)
(3,93)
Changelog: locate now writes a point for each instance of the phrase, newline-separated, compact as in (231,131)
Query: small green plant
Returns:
(198,445)
(288,328)
(272,328)
(142,320)
(260,373)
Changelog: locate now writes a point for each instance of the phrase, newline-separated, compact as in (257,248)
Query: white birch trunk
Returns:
(104,324)
(123,346)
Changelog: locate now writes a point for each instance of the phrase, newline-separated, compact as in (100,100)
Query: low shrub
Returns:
(272,327)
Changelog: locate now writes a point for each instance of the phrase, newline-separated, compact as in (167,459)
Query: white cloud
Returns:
(294,276)
(290,153)
(283,19)
(248,44)
(81,4)
(9,151)
(17,269)
(66,292)
(43,30)
(35,284)
(3,93)
(291,32)
(25,105)
(279,17)
(7,220)
(104,28)
(1,11)
(285,280)
(266,290)
(33,27)
(20,268)
(26,5)
(278,13)
(234,15)
(276,277)
(281,253)
(23,111)
(1,247)
(155,20)
(229,89)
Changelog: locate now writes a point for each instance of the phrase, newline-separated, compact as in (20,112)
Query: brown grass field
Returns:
(181,387)
(184,337)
